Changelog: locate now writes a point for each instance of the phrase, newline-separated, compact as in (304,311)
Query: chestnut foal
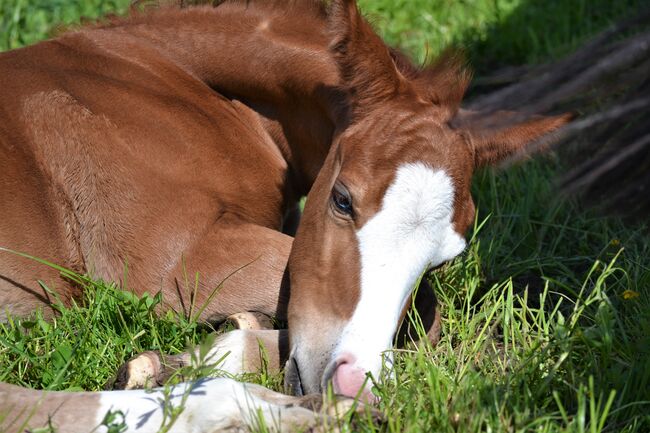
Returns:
(179,141)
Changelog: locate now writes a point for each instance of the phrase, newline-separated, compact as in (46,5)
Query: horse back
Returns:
(110,157)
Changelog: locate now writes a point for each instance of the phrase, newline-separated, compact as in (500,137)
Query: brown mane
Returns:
(445,78)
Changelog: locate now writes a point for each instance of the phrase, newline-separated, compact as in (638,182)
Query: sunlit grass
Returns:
(81,347)
(24,22)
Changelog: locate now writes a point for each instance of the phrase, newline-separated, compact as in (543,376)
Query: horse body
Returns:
(124,177)
(178,142)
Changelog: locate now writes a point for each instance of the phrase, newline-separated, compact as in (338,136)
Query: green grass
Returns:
(546,317)
(495,33)
(80,348)
(24,22)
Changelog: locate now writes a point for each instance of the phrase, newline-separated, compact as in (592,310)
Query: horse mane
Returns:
(150,11)
(443,81)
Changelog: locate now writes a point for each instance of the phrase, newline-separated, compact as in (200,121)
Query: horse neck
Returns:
(277,63)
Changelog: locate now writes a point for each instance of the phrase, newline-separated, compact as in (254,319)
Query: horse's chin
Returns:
(292,381)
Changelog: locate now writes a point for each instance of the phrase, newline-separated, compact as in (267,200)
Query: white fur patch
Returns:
(209,405)
(227,353)
(412,231)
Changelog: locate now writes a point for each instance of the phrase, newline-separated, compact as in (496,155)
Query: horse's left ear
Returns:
(366,66)
(500,135)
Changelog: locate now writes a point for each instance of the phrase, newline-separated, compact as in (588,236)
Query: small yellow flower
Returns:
(615,242)
(630,294)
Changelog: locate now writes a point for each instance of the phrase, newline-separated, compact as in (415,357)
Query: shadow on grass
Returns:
(540,30)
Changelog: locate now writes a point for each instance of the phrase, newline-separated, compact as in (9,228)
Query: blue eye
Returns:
(342,200)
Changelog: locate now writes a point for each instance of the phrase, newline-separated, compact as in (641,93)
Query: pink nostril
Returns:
(349,379)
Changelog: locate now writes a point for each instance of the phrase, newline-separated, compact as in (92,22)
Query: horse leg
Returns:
(234,267)
(241,267)
(202,406)
(234,353)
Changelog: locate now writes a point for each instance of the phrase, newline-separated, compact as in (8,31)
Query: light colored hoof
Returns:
(344,406)
(142,371)
(339,408)
(252,321)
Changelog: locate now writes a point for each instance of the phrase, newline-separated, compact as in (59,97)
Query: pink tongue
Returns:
(348,380)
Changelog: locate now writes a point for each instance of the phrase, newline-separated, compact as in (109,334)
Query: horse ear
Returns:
(502,134)
(367,69)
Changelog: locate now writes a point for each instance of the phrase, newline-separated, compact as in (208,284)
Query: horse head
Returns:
(392,200)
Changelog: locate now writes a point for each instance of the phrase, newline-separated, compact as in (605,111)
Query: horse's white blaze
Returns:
(412,231)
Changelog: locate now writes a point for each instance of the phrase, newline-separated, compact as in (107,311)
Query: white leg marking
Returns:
(209,406)
(228,353)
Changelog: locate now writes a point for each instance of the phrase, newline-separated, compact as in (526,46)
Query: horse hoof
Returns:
(341,407)
(249,320)
(349,406)
(141,371)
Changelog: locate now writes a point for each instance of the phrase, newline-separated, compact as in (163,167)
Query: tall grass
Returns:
(80,348)
(546,317)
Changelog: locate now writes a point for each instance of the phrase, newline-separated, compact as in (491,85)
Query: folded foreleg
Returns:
(233,353)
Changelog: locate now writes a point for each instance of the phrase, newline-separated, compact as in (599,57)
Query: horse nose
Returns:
(350,380)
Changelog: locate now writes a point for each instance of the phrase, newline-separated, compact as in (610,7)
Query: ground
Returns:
(546,317)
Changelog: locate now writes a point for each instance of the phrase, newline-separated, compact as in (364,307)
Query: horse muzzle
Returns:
(341,373)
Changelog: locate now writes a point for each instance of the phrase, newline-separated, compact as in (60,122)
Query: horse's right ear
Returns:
(499,135)
(367,69)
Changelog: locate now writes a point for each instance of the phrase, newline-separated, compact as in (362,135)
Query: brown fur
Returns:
(120,171)
(22,407)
